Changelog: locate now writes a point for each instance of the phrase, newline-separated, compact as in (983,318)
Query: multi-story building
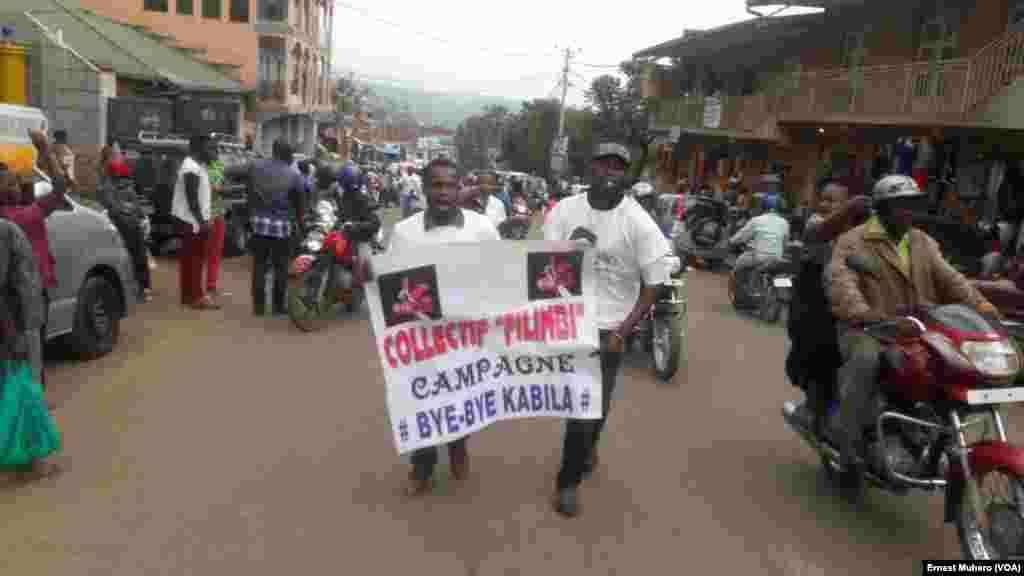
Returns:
(925,87)
(280,50)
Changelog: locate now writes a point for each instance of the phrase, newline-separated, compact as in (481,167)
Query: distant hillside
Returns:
(438,108)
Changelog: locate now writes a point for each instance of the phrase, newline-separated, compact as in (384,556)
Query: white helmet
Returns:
(641,189)
(895,186)
(606,149)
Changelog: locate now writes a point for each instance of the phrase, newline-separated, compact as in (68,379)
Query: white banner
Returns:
(470,334)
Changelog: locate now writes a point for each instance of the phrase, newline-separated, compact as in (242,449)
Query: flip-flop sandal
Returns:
(206,304)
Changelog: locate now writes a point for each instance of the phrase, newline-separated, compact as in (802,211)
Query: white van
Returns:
(16,149)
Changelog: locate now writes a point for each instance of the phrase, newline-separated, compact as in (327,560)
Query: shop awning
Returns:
(390,149)
(675,133)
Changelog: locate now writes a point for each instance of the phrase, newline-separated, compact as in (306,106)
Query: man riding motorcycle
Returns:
(887,241)
(360,221)
(766,237)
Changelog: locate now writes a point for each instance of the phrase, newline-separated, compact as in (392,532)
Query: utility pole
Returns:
(559,167)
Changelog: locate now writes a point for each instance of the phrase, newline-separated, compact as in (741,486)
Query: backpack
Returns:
(814,354)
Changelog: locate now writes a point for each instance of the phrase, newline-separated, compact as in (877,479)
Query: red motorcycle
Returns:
(946,370)
(517,225)
(329,273)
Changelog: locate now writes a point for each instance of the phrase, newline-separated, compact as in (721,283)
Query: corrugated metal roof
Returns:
(804,3)
(123,49)
(728,36)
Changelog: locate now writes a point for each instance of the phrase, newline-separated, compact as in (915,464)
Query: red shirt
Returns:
(32,221)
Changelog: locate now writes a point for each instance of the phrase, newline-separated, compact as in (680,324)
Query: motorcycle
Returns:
(708,224)
(945,370)
(328,272)
(663,329)
(517,225)
(769,286)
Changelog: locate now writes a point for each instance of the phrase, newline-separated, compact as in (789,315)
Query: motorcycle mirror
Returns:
(862,265)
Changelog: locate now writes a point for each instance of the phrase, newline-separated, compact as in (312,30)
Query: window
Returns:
(275,10)
(852,49)
(185,7)
(239,10)
(937,36)
(211,9)
(154,5)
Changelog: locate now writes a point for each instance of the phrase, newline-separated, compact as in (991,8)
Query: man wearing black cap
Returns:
(630,264)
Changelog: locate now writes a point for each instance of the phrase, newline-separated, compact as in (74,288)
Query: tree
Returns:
(529,136)
(579,126)
(352,95)
(620,113)
(477,135)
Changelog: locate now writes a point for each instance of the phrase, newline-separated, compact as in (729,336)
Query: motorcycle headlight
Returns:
(675,265)
(998,359)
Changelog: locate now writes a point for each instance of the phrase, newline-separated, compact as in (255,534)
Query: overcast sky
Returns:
(509,48)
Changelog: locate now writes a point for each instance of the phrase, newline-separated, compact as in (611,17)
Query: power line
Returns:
(363,12)
(616,66)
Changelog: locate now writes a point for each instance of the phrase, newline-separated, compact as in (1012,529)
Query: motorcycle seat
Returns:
(775,265)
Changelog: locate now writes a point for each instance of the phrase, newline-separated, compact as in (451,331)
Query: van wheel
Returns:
(97,323)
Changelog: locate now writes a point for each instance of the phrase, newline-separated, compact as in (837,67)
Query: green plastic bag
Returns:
(27,433)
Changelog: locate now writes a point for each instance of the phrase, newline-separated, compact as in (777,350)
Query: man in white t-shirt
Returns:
(191,206)
(410,195)
(442,222)
(630,264)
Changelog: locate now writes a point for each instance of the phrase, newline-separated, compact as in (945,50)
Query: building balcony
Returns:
(273,27)
(939,93)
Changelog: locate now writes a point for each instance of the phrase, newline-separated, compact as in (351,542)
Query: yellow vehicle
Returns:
(16,149)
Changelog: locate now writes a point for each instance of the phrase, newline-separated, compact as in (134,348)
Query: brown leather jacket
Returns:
(930,280)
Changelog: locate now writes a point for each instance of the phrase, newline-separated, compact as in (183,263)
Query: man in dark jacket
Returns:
(276,192)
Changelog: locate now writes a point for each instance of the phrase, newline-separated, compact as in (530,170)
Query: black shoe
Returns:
(590,465)
(851,484)
(566,502)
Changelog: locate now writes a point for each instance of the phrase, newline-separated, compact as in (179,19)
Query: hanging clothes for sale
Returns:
(996,175)
(882,163)
(903,156)
(923,159)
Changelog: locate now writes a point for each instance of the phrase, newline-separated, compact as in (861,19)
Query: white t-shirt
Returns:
(179,205)
(630,248)
(410,232)
(495,210)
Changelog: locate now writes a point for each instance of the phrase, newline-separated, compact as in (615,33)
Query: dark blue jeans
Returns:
(581,436)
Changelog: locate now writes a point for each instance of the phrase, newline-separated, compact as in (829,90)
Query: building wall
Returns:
(224,41)
(299,131)
(69,92)
(892,30)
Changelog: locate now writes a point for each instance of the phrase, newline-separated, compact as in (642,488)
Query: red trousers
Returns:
(214,251)
(190,264)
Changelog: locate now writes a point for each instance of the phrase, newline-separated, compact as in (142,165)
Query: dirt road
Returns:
(216,443)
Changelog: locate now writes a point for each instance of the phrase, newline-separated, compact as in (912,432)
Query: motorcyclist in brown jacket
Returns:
(908,270)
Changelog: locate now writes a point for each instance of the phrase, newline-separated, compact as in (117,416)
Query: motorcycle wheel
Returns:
(771,306)
(1002,537)
(668,332)
(310,314)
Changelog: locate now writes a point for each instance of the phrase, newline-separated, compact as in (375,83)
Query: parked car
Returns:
(96,285)
(154,160)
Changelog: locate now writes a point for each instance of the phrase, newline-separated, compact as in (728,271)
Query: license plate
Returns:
(995,396)
(783,282)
